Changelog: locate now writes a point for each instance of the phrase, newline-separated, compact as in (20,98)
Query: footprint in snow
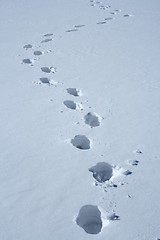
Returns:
(79,26)
(127,15)
(46,40)
(27,46)
(127,172)
(27,61)
(133,162)
(102,171)
(48,35)
(74,91)
(70,104)
(38,53)
(72,30)
(107,19)
(48,70)
(81,142)
(92,119)
(89,218)
(113,217)
(47,81)
(101,22)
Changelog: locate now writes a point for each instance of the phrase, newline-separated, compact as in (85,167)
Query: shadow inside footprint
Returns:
(89,218)
(70,104)
(81,142)
(102,171)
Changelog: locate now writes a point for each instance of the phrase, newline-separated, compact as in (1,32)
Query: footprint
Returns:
(47,81)
(101,22)
(48,35)
(27,61)
(113,217)
(127,15)
(81,142)
(70,104)
(46,40)
(48,70)
(38,53)
(102,171)
(133,162)
(89,218)
(72,30)
(92,119)
(79,26)
(113,13)
(127,172)
(107,19)
(27,46)
(74,91)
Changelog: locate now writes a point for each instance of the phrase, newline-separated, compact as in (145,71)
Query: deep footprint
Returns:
(74,91)
(92,119)
(81,142)
(89,218)
(70,104)
(102,171)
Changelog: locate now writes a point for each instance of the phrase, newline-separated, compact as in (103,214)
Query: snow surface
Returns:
(108,52)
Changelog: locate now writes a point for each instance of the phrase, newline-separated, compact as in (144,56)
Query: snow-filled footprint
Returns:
(89,218)
(92,119)
(74,91)
(81,142)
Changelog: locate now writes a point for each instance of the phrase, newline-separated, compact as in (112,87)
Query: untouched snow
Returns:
(60,61)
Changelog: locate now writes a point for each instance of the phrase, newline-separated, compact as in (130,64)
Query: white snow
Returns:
(61,60)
